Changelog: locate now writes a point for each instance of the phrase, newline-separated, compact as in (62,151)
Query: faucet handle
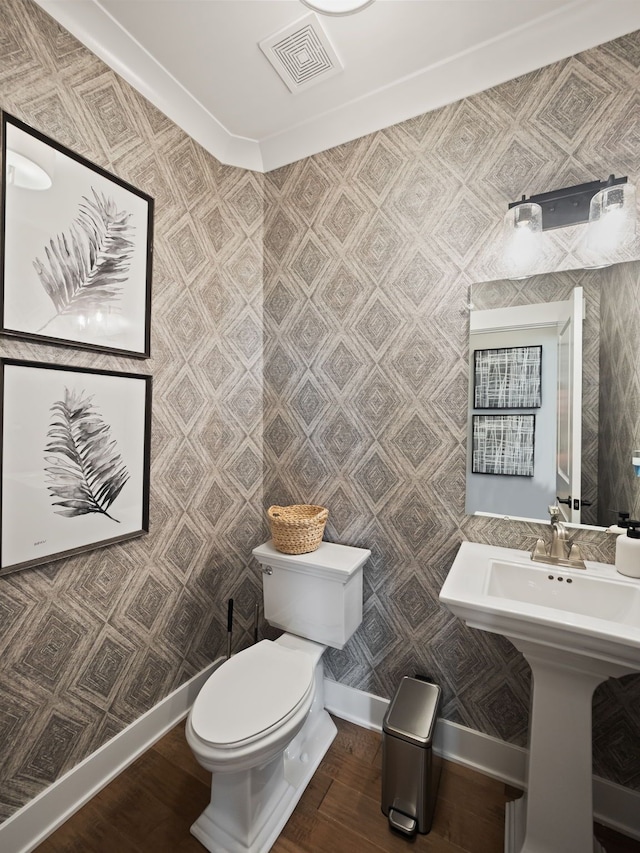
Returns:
(554,512)
(575,554)
(539,549)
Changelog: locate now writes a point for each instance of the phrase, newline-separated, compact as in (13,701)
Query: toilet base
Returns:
(248,810)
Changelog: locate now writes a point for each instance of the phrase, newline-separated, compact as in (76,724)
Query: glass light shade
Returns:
(23,172)
(522,239)
(612,219)
(337,7)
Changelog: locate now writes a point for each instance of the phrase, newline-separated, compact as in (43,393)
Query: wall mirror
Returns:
(554,395)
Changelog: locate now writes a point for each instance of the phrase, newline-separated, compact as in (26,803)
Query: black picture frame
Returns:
(76,249)
(507,378)
(503,444)
(75,460)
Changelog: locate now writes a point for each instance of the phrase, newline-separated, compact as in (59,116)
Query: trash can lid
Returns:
(412,713)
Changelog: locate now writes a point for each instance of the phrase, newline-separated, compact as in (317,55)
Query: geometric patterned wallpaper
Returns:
(309,343)
(369,255)
(620,389)
(89,643)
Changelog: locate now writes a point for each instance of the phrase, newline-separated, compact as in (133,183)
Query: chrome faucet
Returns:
(559,536)
(561,551)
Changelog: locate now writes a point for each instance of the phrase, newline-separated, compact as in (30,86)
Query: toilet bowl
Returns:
(259,775)
(252,706)
(259,724)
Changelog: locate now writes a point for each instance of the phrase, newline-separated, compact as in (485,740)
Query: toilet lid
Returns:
(251,692)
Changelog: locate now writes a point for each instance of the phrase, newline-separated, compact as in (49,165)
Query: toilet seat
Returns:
(252,694)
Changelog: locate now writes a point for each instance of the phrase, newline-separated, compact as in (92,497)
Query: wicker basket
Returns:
(297,529)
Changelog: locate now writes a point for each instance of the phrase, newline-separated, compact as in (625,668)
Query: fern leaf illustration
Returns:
(84,469)
(84,269)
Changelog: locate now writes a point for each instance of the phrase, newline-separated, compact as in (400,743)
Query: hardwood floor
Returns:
(150,807)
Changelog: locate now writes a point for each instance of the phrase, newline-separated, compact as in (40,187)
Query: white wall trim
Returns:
(575,26)
(92,25)
(356,706)
(614,805)
(29,826)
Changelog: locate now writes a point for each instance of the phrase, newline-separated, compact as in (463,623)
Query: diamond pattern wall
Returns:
(409,220)
(356,373)
(92,642)
(620,384)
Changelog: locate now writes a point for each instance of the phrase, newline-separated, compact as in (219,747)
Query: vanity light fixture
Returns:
(337,7)
(522,232)
(571,205)
(608,206)
(612,217)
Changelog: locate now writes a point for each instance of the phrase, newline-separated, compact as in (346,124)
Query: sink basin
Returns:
(593,612)
(579,593)
(576,628)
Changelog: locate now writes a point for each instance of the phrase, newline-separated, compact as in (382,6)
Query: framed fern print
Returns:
(75,460)
(76,248)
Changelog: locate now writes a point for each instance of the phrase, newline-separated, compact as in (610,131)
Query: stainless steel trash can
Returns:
(410,770)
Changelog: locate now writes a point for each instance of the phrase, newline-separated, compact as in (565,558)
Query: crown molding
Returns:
(575,27)
(101,34)
(578,26)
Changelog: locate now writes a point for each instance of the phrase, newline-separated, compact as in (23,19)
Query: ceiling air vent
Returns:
(302,54)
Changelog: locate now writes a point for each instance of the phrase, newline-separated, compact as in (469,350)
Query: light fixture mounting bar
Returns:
(570,205)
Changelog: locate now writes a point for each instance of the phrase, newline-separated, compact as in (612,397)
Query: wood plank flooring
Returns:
(150,807)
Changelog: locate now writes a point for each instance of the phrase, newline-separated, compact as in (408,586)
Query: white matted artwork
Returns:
(75,460)
(507,378)
(76,248)
(503,444)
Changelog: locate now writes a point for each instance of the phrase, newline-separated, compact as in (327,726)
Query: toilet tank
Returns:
(318,595)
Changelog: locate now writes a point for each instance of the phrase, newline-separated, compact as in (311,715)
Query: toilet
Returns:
(259,724)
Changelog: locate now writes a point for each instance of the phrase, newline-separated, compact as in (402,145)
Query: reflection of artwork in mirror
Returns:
(76,248)
(75,460)
(507,378)
(537,311)
(503,444)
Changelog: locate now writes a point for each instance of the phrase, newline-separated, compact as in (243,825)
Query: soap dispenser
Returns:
(621,524)
(628,551)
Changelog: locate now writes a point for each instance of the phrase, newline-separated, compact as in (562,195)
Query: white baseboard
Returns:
(617,807)
(613,805)
(363,709)
(29,826)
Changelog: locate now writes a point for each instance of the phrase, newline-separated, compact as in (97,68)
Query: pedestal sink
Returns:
(576,628)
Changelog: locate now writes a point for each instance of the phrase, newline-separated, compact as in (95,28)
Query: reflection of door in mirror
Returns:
(569,415)
(610,408)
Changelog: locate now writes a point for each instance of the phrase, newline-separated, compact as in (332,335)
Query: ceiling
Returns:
(199,61)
